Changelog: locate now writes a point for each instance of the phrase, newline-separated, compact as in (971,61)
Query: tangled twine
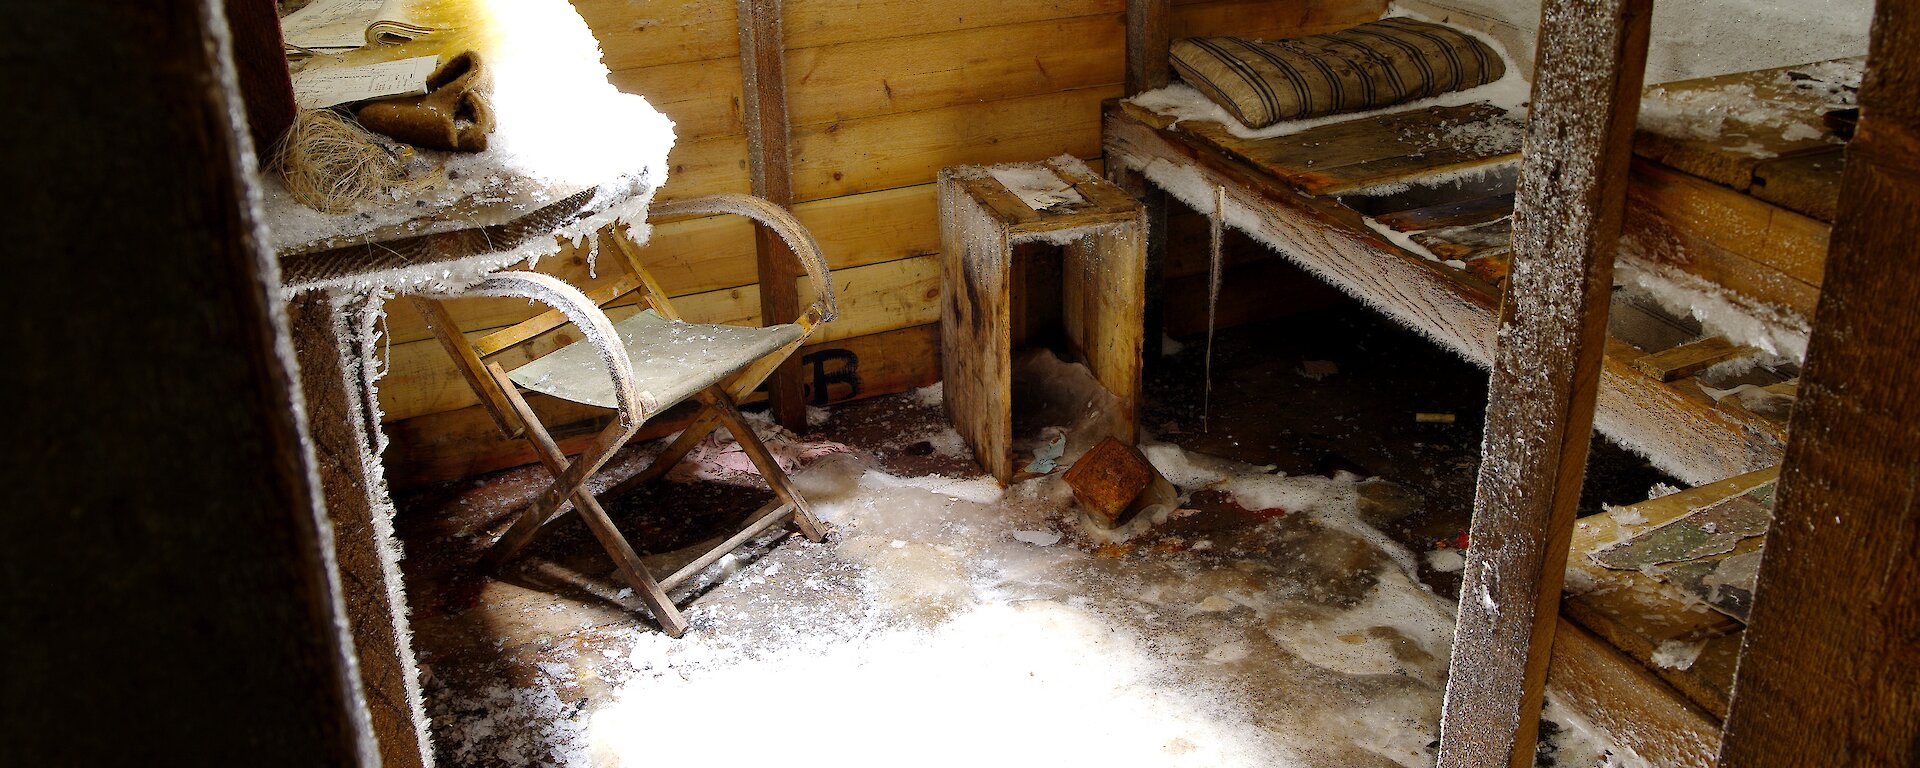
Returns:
(331,164)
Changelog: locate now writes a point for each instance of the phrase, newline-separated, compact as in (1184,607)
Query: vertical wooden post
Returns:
(764,80)
(1546,372)
(1830,670)
(1148,39)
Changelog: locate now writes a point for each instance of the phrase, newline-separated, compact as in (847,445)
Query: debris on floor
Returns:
(1255,618)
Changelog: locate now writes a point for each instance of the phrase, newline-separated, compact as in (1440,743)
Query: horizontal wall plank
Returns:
(421,379)
(645,33)
(705,166)
(463,442)
(1271,18)
(813,23)
(909,74)
(701,97)
(900,150)
(714,252)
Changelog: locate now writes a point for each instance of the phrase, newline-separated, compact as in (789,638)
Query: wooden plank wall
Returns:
(882,94)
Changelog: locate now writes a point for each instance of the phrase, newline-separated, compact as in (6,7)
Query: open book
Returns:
(331,25)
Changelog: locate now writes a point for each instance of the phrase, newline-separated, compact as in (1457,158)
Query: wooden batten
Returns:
(1546,377)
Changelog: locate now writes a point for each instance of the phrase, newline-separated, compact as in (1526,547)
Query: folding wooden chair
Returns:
(638,367)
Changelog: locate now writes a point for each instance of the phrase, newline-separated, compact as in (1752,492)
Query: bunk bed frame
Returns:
(1298,194)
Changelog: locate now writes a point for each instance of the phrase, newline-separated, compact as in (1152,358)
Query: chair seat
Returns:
(672,360)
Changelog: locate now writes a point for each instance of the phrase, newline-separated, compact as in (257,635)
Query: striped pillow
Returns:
(1373,65)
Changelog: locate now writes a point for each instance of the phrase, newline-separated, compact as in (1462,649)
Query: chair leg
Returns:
(717,400)
(702,425)
(570,482)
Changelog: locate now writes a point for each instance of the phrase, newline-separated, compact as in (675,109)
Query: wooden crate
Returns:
(1102,293)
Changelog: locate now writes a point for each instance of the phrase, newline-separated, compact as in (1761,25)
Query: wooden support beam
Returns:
(1546,375)
(1149,37)
(1831,664)
(770,160)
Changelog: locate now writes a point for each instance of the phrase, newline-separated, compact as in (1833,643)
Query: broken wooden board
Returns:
(1374,151)
(1715,529)
(1690,358)
(1723,128)
(1639,614)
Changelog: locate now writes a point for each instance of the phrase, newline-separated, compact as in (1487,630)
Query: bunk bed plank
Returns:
(1621,698)
(1459,213)
(1809,183)
(1345,156)
(1328,239)
(1546,377)
(1730,152)
(1779,240)
(1691,358)
(1831,663)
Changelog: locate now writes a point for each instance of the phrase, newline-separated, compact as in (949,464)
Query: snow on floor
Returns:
(935,628)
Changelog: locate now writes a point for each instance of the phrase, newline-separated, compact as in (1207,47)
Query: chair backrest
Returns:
(765,214)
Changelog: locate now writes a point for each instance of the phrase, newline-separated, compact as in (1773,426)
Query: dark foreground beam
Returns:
(1830,671)
(166,593)
(1546,374)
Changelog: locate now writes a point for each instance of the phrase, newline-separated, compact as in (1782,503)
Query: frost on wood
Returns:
(1739,109)
(561,127)
(1777,331)
(1546,369)
(359,325)
(1197,189)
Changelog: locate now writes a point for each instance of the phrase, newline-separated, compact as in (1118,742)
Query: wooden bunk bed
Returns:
(1347,202)
(1299,193)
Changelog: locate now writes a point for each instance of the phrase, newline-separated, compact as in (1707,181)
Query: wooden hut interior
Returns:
(1356,383)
